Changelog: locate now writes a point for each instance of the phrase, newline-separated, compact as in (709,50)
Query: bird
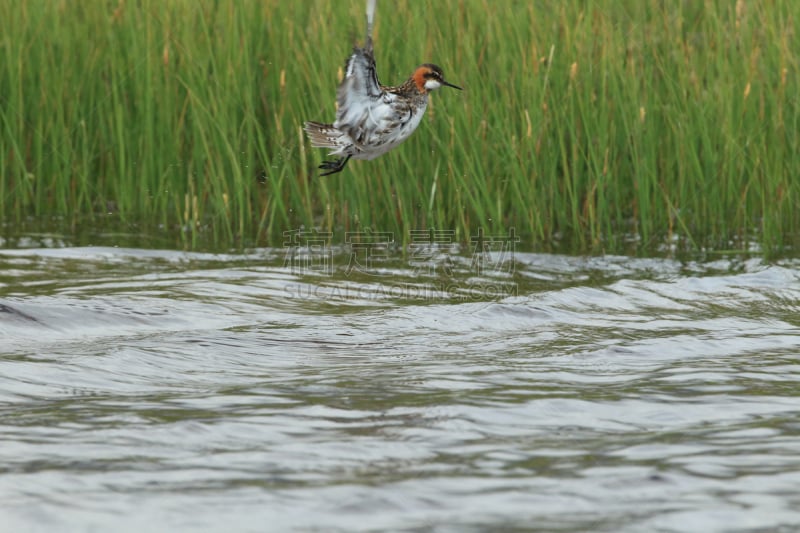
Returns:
(372,118)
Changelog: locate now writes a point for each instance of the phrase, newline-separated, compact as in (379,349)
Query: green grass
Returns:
(619,125)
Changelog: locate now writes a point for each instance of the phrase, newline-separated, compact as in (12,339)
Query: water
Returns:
(162,391)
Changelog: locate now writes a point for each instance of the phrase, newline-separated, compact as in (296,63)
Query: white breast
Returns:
(392,128)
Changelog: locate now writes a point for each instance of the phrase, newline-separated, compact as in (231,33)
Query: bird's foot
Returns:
(334,166)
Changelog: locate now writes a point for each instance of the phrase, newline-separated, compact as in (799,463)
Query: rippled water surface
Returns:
(162,391)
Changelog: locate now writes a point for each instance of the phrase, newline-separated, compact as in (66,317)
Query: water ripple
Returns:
(200,391)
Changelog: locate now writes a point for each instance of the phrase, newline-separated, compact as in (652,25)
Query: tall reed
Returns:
(624,125)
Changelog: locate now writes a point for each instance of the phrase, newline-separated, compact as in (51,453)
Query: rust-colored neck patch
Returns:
(419,79)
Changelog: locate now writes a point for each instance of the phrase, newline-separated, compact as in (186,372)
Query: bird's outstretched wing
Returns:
(360,78)
(359,90)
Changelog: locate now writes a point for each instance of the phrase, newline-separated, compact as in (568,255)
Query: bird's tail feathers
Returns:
(322,135)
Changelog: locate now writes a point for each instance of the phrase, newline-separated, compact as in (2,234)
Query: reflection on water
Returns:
(210,392)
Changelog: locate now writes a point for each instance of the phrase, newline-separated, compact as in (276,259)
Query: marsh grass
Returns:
(625,125)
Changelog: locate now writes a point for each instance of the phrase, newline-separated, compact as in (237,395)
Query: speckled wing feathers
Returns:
(360,97)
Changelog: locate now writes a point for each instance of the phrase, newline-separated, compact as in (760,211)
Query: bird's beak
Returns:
(451,85)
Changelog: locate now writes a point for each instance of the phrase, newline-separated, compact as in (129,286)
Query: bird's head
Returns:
(429,77)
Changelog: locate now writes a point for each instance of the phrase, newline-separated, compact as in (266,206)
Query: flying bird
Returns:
(372,118)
